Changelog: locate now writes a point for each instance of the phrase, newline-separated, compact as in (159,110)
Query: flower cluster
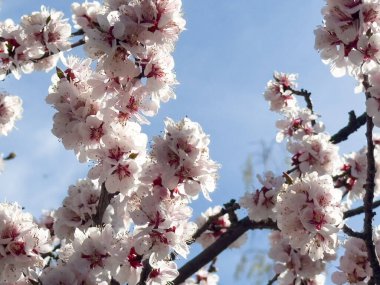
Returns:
(22,243)
(203,277)
(292,266)
(279,91)
(309,214)
(353,174)
(309,146)
(26,47)
(303,201)
(216,228)
(261,203)
(99,112)
(182,156)
(349,41)
(354,267)
(297,123)
(87,258)
(162,221)
(10,112)
(131,217)
(159,212)
(77,209)
(132,42)
(373,94)
(314,153)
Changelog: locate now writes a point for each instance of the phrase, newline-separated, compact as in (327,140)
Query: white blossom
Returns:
(309,213)
(10,111)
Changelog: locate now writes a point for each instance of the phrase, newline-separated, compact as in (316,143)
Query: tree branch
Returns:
(77,33)
(212,267)
(358,210)
(306,95)
(228,208)
(354,123)
(208,254)
(369,195)
(145,272)
(114,282)
(10,156)
(274,279)
(104,201)
(48,53)
(350,232)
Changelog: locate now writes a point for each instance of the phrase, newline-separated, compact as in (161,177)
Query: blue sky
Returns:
(223,62)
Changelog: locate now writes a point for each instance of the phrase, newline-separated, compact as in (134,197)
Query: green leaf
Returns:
(133,155)
(60,73)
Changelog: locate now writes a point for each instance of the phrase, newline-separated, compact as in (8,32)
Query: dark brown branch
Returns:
(104,201)
(220,245)
(359,210)
(51,253)
(212,267)
(274,279)
(145,272)
(10,156)
(350,232)
(77,33)
(354,123)
(369,195)
(307,96)
(229,207)
(48,53)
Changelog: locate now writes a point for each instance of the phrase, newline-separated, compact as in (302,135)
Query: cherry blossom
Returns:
(292,266)
(101,103)
(203,277)
(354,266)
(261,203)
(314,153)
(93,252)
(24,47)
(279,92)
(183,151)
(77,209)
(162,272)
(10,111)
(309,214)
(22,243)
(298,123)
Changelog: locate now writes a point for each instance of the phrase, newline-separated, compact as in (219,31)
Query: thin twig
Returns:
(48,53)
(350,232)
(307,96)
(274,279)
(228,208)
(359,210)
(77,33)
(354,123)
(10,156)
(220,245)
(212,267)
